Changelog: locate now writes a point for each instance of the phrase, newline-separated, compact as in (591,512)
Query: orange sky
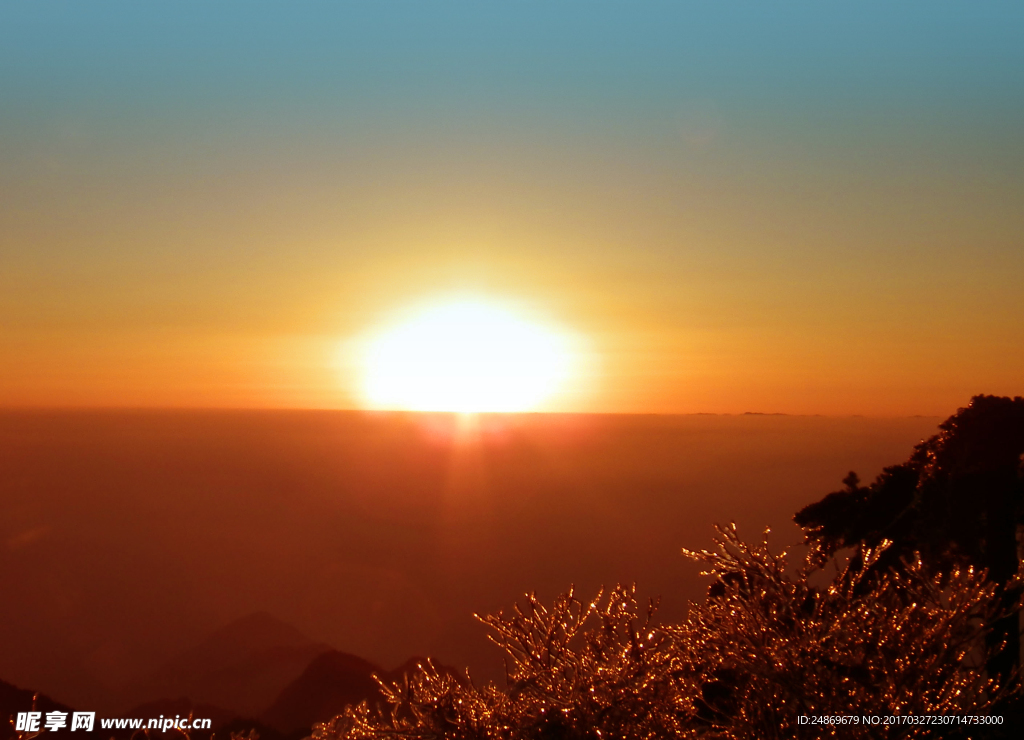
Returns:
(757,223)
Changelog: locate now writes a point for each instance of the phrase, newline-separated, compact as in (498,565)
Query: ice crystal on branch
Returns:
(765,647)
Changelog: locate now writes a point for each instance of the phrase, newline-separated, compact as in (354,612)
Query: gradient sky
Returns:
(813,208)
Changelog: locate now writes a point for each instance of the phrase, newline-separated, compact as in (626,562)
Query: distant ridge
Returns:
(255,672)
(14,700)
(332,681)
(241,667)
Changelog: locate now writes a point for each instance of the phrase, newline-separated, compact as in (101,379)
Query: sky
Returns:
(808,208)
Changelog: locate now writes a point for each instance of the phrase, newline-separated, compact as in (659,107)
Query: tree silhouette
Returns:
(958,500)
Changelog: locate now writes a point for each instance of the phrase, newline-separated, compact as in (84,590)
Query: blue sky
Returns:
(686,180)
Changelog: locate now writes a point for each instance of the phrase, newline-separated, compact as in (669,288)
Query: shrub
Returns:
(764,648)
(767,646)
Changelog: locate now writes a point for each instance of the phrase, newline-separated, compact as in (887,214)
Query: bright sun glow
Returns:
(466,356)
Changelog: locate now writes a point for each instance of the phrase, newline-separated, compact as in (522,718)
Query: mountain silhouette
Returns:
(241,667)
(14,700)
(332,681)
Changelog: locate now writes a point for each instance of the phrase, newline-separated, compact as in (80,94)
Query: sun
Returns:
(464,356)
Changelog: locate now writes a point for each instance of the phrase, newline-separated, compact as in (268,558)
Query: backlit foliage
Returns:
(765,647)
(768,646)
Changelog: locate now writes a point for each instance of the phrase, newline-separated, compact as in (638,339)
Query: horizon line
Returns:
(4,409)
